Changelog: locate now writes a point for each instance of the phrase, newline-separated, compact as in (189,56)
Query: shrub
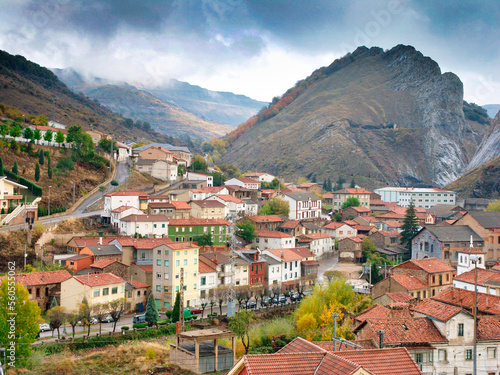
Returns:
(140,325)
(125,328)
(114,183)
(169,314)
(65,164)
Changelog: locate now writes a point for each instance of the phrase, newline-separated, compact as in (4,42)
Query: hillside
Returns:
(163,117)
(480,182)
(30,88)
(381,117)
(212,106)
(489,147)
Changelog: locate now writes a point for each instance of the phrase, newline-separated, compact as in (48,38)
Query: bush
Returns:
(114,183)
(65,164)
(169,314)
(140,325)
(125,328)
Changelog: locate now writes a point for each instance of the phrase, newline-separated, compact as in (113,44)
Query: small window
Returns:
(105,291)
(97,292)
(492,353)
(468,354)
(114,290)
(460,329)
(166,263)
(158,288)
(185,262)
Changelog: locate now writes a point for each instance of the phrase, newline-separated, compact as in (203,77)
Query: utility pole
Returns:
(231,292)
(74,187)
(110,155)
(181,301)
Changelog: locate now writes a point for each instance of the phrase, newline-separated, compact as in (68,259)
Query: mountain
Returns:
(480,182)
(212,106)
(30,88)
(489,147)
(380,117)
(492,109)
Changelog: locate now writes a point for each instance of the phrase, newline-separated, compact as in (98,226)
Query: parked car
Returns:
(266,301)
(106,319)
(295,297)
(141,318)
(279,300)
(196,310)
(250,305)
(44,327)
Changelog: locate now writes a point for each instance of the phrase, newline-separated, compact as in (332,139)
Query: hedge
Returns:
(34,188)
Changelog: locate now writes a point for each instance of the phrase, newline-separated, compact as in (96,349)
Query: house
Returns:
(256,266)
(245,182)
(178,195)
(43,287)
(421,197)
(110,266)
(98,252)
(252,207)
(159,169)
(385,238)
(123,211)
(350,249)
(290,267)
(78,262)
(443,242)
(138,251)
(150,226)
(208,281)
(154,153)
(488,281)
(310,188)
(369,220)
(340,196)
(265,222)
(293,227)
(169,264)
(172,210)
(443,212)
(181,230)
(328,199)
(308,264)
(303,205)
(487,304)
(234,206)
(391,225)
(487,226)
(273,270)
(309,228)
(394,298)
(352,212)
(319,243)
(220,262)
(404,283)
(136,296)
(123,153)
(208,209)
(179,152)
(208,179)
(75,244)
(267,239)
(10,194)
(96,288)
(339,230)
(131,198)
(466,261)
(261,177)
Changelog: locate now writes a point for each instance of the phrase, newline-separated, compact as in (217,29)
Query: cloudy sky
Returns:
(258,48)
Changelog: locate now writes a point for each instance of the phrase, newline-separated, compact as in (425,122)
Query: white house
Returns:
(465,262)
(261,177)
(252,208)
(234,205)
(321,243)
(119,213)
(421,197)
(268,239)
(150,226)
(244,182)
(339,230)
(273,270)
(303,205)
(131,198)
(208,281)
(191,176)
(487,281)
(123,153)
(157,168)
(290,270)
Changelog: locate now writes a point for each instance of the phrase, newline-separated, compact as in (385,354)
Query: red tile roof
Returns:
(290,224)
(209,203)
(143,243)
(272,234)
(128,193)
(363,228)
(287,255)
(352,191)
(144,267)
(122,208)
(486,303)
(335,225)
(354,239)
(205,268)
(42,278)
(92,241)
(471,250)
(393,224)
(303,252)
(138,284)
(98,279)
(229,198)
(482,276)
(350,222)
(430,265)
(387,361)
(315,236)
(400,297)
(328,345)
(180,205)
(435,309)
(488,328)
(300,345)
(404,331)
(145,218)
(247,180)
(266,219)
(182,245)
(102,263)
(198,222)
(382,312)
(408,282)
(389,233)
(360,209)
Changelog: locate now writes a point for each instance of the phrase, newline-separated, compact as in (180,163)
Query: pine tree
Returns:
(37,172)
(49,171)
(151,311)
(15,168)
(330,187)
(1,167)
(53,303)
(353,184)
(41,157)
(410,226)
(177,308)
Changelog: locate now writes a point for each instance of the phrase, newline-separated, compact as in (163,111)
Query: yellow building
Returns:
(167,265)
(9,192)
(97,288)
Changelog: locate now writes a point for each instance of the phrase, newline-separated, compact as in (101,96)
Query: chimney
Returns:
(381,339)
(282,255)
(100,241)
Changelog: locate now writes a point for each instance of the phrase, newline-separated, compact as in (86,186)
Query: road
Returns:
(350,270)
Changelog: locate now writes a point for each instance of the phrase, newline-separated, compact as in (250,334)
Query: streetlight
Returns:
(474,259)
(49,200)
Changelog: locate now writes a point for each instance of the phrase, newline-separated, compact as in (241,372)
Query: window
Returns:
(177,262)
(442,354)
(176,288)
(158,252)
(158,288)
(468,354)
(114,290)
(165,288)
(460,329)
(158,262)
(185,262)
(492,353)
(419,357)
(203,280)
(195,261)
(194,287)
(154,225)
(158,275)
(185,287)
(166,276)
(166,252)
(176,275)
(97,292)
(166,263)
(105,291)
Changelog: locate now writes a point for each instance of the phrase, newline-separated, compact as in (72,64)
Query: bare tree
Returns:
(220,295)
(116,308)
(56,316)
(72,318)
(84,312)
(100,310)
(203,304)
(241,294)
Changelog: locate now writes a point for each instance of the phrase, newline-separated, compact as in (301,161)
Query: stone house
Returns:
(136,296)
(352,212)
(265,222)
(385,238)
(181,230)
(208,209)
(350,249)
(110,266)
(339,230)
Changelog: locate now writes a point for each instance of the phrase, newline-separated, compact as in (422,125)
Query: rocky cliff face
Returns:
(489,147)
(381,117)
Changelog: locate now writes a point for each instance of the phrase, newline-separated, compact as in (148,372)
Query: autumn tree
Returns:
(220,295)
(494,206)
(275,206)
(240,324)
(100,310)
(84,313)
(73,317)
(57,316)
(15,299)
(330,275)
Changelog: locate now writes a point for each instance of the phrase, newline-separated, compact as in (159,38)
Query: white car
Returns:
(44,327)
